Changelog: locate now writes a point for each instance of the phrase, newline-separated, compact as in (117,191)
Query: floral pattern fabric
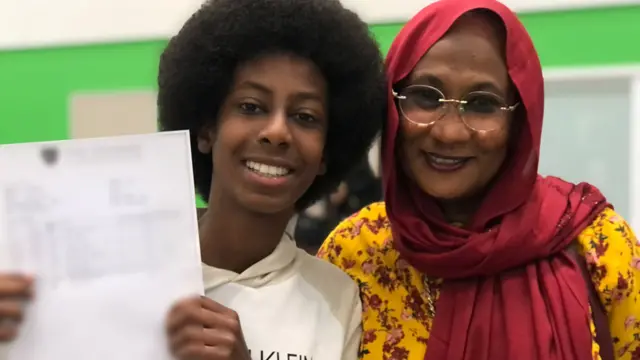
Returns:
(396,318)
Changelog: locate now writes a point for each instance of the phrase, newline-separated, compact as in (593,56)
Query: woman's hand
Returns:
(202,329)
(14,291)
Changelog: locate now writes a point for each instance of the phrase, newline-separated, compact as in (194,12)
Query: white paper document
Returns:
(108,228)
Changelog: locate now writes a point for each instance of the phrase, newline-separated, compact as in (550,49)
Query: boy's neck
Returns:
(234,239)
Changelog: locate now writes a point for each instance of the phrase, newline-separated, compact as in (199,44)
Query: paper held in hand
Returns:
(108,228)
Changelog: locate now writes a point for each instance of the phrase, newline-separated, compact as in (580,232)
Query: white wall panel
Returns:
(401,10)
(586,137)
(37,23)
(634,153)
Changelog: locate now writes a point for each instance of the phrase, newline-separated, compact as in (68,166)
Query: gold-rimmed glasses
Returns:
(480,111)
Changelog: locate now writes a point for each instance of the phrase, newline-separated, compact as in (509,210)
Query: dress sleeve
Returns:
(331,249)
(358,239)
(612,252)
(355,247)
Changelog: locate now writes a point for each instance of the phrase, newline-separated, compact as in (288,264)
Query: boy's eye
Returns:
(250,108)
(305,118)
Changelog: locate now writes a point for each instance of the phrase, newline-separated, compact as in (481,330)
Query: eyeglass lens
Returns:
(478,110)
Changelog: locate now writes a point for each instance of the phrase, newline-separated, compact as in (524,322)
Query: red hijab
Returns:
(511,291)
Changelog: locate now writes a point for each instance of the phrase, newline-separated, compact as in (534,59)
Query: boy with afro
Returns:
(282,98)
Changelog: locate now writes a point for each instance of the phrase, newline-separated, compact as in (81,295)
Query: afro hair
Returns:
(197,68)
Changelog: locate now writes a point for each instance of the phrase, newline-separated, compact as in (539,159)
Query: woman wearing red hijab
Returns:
(473,255)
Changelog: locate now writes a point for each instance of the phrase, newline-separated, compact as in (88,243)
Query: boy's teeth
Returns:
(267,170)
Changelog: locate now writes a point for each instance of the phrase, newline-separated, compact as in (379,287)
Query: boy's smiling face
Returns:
(269,141)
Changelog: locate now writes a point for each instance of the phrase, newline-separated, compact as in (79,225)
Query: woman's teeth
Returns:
(445,161)
(441,163)
(267,170)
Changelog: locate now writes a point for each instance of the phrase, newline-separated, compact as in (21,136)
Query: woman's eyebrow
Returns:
(426,78)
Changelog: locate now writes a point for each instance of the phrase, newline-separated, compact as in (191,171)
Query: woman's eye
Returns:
(426,99)
(483,104)
(249,108)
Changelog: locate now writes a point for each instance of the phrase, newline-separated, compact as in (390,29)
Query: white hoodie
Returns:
(292,306)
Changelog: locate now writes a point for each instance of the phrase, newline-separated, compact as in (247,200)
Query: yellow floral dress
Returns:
(396,320)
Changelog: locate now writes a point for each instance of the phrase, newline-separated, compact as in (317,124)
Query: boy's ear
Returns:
(323,167)
(206,139)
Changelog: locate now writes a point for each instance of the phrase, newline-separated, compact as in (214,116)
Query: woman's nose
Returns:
(450,127)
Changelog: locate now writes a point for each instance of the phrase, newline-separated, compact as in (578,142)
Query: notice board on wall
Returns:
(112,114)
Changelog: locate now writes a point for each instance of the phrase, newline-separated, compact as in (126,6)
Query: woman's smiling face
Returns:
(448,159)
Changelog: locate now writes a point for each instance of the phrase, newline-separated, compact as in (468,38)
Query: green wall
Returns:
(35,84)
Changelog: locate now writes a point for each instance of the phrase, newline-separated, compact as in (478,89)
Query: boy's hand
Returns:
(14,290)
(202,329)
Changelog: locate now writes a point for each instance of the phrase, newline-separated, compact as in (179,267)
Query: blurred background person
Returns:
(361,187)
